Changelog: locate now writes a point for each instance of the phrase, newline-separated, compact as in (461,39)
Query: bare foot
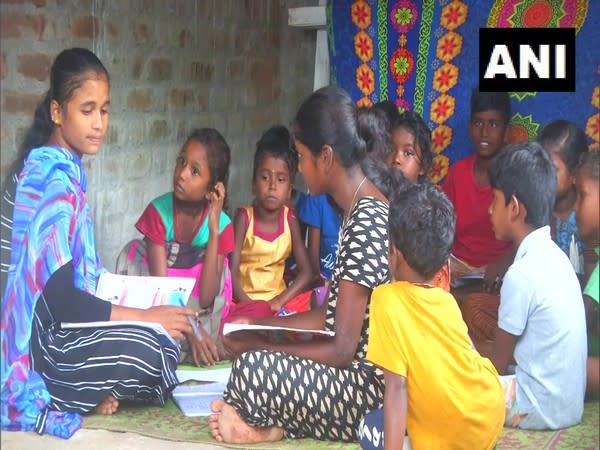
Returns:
(213,420)
(227,426)
(108,405)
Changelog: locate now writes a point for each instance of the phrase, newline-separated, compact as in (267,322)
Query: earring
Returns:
(56,121)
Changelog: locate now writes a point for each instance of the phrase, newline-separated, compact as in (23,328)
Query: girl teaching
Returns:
(49,375)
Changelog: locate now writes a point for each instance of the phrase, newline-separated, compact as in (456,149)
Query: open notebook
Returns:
(139,292)
(144,292)
(278,334)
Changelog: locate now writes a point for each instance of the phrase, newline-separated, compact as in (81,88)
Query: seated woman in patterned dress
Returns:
(274,388)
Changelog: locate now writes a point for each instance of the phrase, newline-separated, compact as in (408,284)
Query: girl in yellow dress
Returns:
(267,232)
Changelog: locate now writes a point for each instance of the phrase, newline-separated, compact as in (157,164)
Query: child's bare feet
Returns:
(227,426)
(108,405)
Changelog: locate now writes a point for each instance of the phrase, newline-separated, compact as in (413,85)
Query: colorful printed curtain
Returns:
(424,56)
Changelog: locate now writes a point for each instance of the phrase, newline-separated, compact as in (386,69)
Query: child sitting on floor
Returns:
(565,142)
(411,147)
(321,213)
(412,155)
(408,151)
(323,219)
(437,387)
(186,231)
(468,188)
(267,232)
(587,183)
(541,319)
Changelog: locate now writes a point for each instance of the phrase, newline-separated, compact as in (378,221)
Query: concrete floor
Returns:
(93,440)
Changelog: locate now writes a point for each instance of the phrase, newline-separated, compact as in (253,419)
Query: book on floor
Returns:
(278,334)
(194,400)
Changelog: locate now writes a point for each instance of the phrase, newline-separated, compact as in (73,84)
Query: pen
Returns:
(193,322)
(194,325)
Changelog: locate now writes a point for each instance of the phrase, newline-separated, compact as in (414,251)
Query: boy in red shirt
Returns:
(476,249)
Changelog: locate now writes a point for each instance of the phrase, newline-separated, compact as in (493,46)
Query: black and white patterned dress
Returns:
(309,399)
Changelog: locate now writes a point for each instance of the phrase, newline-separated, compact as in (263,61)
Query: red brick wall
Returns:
(174,65)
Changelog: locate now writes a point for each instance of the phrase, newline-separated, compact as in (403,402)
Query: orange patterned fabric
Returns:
(480,313)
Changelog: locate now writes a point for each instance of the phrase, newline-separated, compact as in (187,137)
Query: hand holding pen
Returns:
(201,344)
(174,319)
(192,321)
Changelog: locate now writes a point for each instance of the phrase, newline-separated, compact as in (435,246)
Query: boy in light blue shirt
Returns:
(541,320)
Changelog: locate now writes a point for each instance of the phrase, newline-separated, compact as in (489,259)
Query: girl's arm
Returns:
(239,228)
(174,319)
(309,320)
(395,404)
(212,269)
(157,258)
(305,272)
(502,350)
(337,351)
(314,249)
(150,224)
(494,272)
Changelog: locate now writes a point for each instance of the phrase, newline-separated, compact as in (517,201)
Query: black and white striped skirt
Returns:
(83,366)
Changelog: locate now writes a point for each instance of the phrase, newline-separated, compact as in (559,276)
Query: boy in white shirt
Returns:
(541,320)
